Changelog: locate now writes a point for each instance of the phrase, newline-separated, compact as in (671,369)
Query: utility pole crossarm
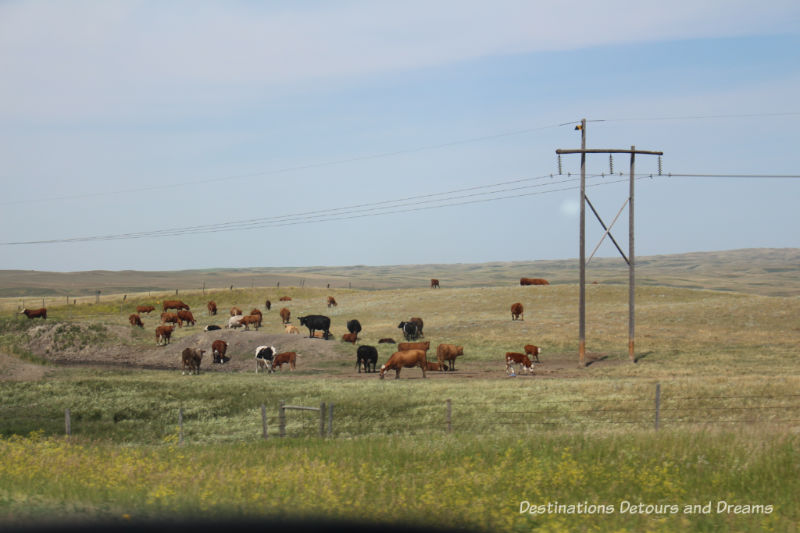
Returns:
(561,151)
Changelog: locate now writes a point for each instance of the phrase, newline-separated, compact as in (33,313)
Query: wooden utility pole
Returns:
(630,259)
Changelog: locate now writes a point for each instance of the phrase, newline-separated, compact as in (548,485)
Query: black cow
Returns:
(316,322)
(264,356)
(354,326)
(410,330)
(368,355)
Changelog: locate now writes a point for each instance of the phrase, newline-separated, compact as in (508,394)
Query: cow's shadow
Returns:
(641,356)
(596,360)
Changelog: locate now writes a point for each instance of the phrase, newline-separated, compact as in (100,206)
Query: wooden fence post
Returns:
(264,422)
(180,426)
(658,402)
(449,416)
(322,420)
(282,419)
(330,420)
(67,422)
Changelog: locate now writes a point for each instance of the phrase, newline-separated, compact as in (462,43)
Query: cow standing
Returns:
(191,360)
(218,350)
(212,308)
(408,359)
(434,283)
(410,330)
(448,352)
(316,322)
(332,301)
(516,311)
(187,317)
(286,315)
(264,357)
(35,313)
(135,320)
(368,357)
(163,334)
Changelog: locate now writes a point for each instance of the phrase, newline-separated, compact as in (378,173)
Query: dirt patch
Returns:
(14,369)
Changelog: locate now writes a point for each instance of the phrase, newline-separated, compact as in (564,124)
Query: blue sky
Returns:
(127,117)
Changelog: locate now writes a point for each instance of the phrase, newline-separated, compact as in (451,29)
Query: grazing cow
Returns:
(234,322)
(35,313)
(254,320)
(436,366)
(144,308)
(212,308)
(332,301)
(354,326)
(171,318)
(285,299)
(434,283)
(410,330)
(286,315)
(316,322)
(283,358)
(174,304)
(163,334)
(533,281)
(191,360)
(211,327)
(448,352)
(235,311)
(516,311)
(386,340)
(268,305)
(520,359)
(418,321)
(135,320)
(407,359)
(368,356)
(255,311)
(218,349)
(292,330)
(264,356)
(533,352)
(350,337)
(405,346)
(187,317)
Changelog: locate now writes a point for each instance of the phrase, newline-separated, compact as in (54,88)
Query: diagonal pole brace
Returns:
(608,231)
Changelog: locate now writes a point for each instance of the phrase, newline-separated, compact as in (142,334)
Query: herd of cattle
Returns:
(409,354)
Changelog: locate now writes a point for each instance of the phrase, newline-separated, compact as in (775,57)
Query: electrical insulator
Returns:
(559,164)
(659,165)
(610,164)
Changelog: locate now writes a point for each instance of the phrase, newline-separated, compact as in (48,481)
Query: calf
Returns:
(286,315)
(350,337)
(235,311)
(268,305)
(264,356)
(368,356)
(187,317)
(285,299)
(218,349)
(212,308)
(322,335)
(516,311)
(191,360)
(520,359)
(316,322)
(163,334)
(292,330)
(234,322)
(135,320)
(407,359)
(448,352)
(533,352)
(436,366)
(332,301)
(35,313)
(434,283)
(283,358)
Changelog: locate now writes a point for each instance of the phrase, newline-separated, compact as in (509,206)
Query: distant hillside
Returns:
(772,272)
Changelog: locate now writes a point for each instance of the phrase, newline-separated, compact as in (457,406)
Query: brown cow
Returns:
(218,349)
(285,299)
(255,320)
(518,358)
(285,357)
(187,317)
(144,308)
(135,320)
(386,340)
(418,321)
(332,301)
(350,337)
(163,333)
(174,304)
(533,281)
(404,346)
(172,318)
(212,307)
(292,330)
(434,283)
(407,359)
(191,360)
(286,315)
(35,313)
(235,311)
(533,352)
(449,352)
(256,311)
(319,334)
(436,366)
(516,311)
(268,305)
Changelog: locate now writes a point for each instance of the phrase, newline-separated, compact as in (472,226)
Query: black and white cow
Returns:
(366,355)
(264,356)
(316,322)
(410,330)
(211,327)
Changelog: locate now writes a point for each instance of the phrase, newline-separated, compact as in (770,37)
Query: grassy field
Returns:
(729,421)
